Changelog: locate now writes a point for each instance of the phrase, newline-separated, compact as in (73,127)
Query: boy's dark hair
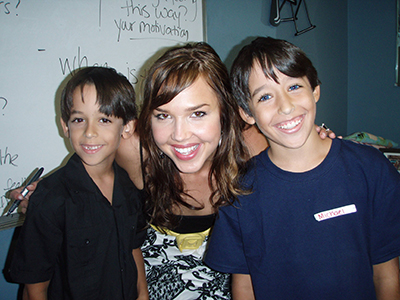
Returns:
(269,53)
(115,94)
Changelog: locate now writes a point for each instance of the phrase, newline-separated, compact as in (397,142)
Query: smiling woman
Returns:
(188,128)
(191,131)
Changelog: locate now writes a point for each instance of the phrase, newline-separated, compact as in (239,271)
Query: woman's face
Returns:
(188,128)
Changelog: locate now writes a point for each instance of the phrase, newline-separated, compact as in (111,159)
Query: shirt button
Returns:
(87,242)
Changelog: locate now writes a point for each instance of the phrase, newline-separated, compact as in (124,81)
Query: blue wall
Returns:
(373,100)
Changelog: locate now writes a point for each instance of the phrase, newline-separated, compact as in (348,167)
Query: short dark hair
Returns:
(115,94)
(269,53)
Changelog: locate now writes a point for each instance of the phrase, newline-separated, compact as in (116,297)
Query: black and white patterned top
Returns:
(172,274)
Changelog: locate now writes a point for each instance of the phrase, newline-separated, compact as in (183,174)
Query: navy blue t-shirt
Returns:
(312,235)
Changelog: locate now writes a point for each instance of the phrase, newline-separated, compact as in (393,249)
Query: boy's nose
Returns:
(286,107)
(90,131)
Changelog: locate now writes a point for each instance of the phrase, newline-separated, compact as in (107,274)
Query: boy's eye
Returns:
(198,114)
(294,87)
(265,98)
(162,116)
(105,120)
(77,120)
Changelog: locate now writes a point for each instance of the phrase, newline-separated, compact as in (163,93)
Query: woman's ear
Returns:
(129,129)
(65,128)
(317,93)
(248,119)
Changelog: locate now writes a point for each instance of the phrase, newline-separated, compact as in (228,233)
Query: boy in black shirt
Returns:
(83,230)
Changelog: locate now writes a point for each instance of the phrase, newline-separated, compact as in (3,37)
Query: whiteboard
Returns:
(42,42)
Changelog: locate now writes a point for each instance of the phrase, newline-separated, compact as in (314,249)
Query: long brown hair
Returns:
(175,71)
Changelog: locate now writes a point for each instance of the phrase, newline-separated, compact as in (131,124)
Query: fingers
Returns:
(16,195)
(331,134)
(24,205)
(325,132)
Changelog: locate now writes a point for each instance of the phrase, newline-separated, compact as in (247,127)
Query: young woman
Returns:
(191,131)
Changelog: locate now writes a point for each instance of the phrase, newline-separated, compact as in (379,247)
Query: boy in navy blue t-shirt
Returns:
(323,218)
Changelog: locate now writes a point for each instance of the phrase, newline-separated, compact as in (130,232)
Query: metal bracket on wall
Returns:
(275,18)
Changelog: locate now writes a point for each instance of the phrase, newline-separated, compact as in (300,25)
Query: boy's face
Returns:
(284,112)
(94,136)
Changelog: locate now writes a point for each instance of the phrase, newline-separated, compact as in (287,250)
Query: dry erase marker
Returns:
(25,191)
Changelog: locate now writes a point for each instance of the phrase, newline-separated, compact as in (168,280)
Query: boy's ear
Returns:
(317,93)
(65,128)
(129,129)
(248,119)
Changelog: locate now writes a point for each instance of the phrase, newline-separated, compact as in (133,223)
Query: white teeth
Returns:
(91,147)
(186,151)
(290,125)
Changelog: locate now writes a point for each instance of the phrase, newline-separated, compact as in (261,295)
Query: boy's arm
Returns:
(143,292)
(242,288)
(36,291)
(386,280)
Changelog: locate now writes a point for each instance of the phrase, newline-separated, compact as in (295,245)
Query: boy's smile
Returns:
(291,125)
(284,111)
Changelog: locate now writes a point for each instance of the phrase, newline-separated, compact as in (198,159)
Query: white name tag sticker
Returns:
(336,212)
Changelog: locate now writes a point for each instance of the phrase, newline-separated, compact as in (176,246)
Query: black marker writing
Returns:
(82,62)
(169,13)
(7,158)
(10,185)
(132,9)
(7,6)
(164,30)
(79,61)
(125,26)
(2,99)
(4,6)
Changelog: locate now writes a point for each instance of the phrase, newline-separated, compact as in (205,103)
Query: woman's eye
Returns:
(199,114)
(265,98)
(294,87)
(162,116)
